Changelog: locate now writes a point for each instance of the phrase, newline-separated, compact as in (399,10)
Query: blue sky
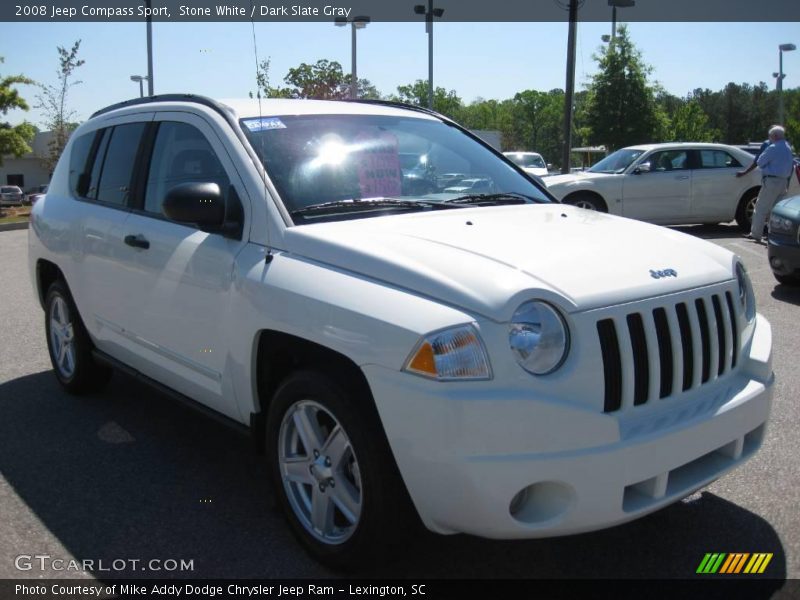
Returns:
(489,60)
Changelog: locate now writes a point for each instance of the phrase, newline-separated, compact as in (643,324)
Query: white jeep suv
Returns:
(497,363)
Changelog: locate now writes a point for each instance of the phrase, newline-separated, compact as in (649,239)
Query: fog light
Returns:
(542,502)
(776,262)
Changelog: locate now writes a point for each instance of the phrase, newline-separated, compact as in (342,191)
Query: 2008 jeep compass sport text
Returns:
(410,323)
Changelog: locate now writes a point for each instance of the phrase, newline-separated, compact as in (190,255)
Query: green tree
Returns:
(622,108)
(690,124)
(365,88)
(444,102)
(791,108)
(14,139)
(58,118)
(323,80)
(262,80)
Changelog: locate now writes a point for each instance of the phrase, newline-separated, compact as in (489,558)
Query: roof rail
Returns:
(205,101)
(398,104)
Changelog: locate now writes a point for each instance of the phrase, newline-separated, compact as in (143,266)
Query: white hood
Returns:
(489,260)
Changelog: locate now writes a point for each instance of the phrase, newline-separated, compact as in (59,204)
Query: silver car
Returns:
(11,195)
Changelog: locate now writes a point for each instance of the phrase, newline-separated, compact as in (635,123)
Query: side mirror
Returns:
(549,166)
(201,204)
(642,168)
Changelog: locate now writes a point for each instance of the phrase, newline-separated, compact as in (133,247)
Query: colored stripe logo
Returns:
(734,563)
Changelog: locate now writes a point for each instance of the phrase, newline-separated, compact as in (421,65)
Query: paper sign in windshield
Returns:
(263,124)
(378,160)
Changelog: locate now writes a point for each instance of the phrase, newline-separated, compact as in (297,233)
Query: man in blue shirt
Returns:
(775,163)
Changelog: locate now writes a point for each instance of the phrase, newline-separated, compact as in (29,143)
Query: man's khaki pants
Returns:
(772,190)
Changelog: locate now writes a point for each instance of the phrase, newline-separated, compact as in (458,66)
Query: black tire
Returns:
(71,356)
(587,201)
(792,280)
(378,530)
(743,213)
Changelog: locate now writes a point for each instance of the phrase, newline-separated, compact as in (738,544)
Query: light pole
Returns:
(614,4)
(355,23)
(149,48)
(779,76)
(140,79)
(419,9)
(569,92)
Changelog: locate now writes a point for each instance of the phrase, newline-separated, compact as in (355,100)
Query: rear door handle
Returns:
(137,241)
(682,177)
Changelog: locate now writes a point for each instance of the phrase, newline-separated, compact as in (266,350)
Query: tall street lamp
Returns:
(614,4)
(149,18)
(780,75)
(569,91)
(355,23)
(140,79)
(430,13)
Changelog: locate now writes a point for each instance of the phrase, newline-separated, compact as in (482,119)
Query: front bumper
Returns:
(784,255)
(472,454)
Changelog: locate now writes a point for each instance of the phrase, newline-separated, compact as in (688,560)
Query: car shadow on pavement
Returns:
(787,293)
(710,232)
(129,474)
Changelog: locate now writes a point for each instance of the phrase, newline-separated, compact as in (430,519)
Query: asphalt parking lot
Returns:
(128,474)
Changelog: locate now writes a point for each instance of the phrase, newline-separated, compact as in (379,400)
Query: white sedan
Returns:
(668,184)
(530,162)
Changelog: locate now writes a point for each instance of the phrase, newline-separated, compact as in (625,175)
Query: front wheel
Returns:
(331,471)
(587,201)
(69,345)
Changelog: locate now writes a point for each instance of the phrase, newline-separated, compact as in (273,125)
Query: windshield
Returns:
(327,167)
(617,162)
(527,160)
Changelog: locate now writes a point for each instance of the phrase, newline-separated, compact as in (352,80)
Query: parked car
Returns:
(530,162)
(10,195)
(784,241)
(472,185)
(668,184)
(503,366)
(34,194)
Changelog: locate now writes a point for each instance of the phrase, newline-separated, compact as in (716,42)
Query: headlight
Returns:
(538,337)
(778,224)
(452,354)
(747,298)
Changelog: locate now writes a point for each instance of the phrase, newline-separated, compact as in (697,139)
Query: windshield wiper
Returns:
(366,203)
(491,199)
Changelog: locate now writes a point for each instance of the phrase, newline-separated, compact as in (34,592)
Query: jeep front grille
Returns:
(659,352)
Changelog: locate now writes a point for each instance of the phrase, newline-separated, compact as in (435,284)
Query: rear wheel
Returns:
(587,201)
(332,473)
(69,344)
(745,210)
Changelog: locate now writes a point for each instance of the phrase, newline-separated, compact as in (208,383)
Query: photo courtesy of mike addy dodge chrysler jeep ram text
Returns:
(492,363)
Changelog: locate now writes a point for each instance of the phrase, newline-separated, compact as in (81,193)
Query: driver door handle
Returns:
(681,177)
(137,241)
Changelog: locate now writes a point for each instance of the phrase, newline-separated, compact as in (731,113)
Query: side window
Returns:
(717,159)
(668,160)
(181,154)
(78,163)
(115,158)
(88,187)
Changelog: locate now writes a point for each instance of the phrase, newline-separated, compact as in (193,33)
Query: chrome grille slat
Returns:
(653,356)
(677,351)
(725,318)
(734,329)
(626,358)
(654,353)
(697,345)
